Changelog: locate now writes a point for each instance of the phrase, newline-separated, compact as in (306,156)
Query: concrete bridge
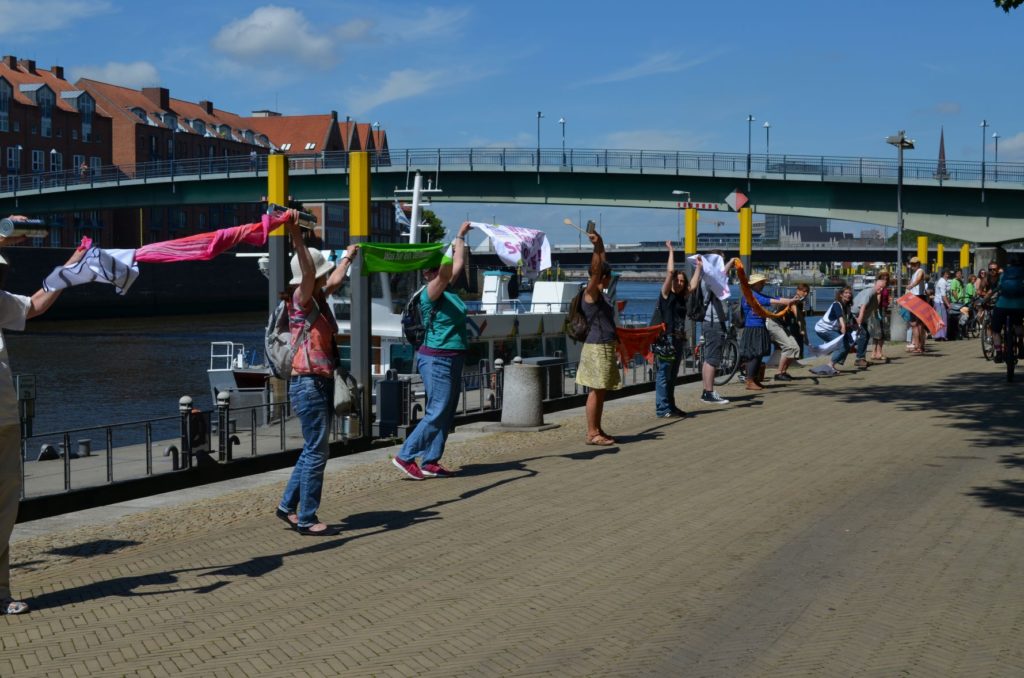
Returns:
(966,200)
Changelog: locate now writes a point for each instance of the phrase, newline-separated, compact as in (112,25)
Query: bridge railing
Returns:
(772,166)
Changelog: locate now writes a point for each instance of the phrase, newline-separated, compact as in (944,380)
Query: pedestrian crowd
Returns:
(765,323)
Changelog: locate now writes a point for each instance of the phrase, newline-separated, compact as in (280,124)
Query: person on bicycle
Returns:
(988,293)
(1009,306)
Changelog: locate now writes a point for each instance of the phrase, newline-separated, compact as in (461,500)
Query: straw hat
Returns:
(915,260)
(757,278)
(320,263)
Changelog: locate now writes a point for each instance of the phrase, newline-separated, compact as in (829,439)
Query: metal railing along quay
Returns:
(59,462)
(771,166)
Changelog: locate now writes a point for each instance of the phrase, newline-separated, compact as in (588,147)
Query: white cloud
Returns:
(354,30)
(135,75)
(21,18)
(658,64)
(1011,149)
(273,32)
(653,140)
(432,24)
(402,84)
(407,83)
(947,108)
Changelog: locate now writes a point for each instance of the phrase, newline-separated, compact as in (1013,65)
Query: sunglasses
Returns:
(993,270)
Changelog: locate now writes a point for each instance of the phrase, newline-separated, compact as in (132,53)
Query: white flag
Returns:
(517,246)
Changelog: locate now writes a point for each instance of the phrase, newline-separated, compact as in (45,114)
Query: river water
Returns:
(92,372)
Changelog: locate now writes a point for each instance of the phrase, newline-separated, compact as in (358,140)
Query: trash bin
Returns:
(553,387)
(392,406)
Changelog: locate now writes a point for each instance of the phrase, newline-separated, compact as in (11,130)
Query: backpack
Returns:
(1011,283)
(278,346)
(413,328)
(576,324)
(697,306)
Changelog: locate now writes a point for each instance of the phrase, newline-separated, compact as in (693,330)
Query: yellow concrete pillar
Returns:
(965,256)
(359,232)
(746,236)
(277,245)
(691,231)
(940,257)
(277,184)
(359,195)
(922,249)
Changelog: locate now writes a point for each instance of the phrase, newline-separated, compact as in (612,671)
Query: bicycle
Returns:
(1011,346)
(987,348)
(730,357)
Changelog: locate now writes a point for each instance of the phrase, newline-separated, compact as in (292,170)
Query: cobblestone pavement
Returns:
(866,524)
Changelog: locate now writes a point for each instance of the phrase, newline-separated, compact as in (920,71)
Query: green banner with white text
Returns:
(400,257)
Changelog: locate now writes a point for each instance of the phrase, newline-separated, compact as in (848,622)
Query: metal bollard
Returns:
(499,375)
(185,410)
(223,433)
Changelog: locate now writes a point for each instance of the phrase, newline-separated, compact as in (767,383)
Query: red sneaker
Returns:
(432,470)
(409,468)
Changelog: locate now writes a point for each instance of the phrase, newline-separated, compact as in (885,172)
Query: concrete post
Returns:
(277,243)
(922,251)
(746,236)
(359,230)
(940,258)
(690,245)
(965,257)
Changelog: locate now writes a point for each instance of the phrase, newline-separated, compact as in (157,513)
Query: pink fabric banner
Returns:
(206,246)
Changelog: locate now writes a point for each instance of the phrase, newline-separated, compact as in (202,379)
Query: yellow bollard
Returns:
(922,250)
(690,246)
(965,257)
(940,257)
(746,235)
(277,184)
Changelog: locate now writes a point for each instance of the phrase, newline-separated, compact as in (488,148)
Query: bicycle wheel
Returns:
(986,339)
(1009,349)
(730,362)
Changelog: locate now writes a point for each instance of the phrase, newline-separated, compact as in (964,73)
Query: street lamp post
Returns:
(995,138)
(686,202)
(561,121)
(901,142)
(767,141)
(984,126)
(750,119)
(539,116)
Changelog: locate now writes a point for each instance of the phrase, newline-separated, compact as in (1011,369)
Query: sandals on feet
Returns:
(13,607)
(601,439)
(290,518)
(325,531)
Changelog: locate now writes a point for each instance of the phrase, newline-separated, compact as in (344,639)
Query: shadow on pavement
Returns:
(983,403)
(98,547)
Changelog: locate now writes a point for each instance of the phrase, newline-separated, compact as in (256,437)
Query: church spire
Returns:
(940,169)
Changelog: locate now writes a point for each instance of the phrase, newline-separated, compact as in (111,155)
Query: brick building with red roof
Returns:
(48,126)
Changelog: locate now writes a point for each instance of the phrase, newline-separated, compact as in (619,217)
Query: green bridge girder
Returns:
(951,209)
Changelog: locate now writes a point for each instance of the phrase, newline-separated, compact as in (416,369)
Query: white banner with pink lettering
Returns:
(518,246)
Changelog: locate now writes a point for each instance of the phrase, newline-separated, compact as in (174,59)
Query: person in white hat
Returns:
(311,385)
(15,309)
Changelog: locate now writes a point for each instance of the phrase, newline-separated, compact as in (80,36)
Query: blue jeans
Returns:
(442,380)
(313,401)
(839,355)
(665,382)
(863,337)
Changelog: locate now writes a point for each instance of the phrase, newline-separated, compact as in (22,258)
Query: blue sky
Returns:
(832,78)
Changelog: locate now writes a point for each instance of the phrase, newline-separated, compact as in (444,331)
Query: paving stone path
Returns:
(866,524)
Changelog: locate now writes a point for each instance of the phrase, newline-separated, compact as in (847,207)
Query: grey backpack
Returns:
(277,340)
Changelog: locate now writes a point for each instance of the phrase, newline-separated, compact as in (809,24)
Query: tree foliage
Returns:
(1007,5)
(434,231)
